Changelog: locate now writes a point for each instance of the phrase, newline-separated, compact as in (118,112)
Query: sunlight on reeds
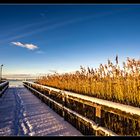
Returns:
(109,81)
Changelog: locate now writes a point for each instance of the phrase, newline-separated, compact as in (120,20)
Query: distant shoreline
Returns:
(20,79)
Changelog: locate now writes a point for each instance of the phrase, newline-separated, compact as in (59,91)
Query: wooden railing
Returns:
(92,116)
(3,87)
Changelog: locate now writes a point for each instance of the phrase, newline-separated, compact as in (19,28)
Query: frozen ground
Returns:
(23,114)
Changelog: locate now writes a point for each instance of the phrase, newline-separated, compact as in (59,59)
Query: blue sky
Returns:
(36,39)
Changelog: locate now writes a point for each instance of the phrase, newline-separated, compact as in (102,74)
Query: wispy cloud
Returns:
(28,46)
(54,26)
(40,52)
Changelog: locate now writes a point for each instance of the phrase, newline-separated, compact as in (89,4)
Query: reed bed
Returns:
(109,81)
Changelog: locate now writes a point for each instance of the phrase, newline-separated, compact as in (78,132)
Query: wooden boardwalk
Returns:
(23,114)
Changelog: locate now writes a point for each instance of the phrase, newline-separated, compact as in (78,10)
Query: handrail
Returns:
(93,124)
(3,87)
(126,108)
(4,83)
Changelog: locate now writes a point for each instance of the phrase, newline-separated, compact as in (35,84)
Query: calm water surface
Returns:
(17,82)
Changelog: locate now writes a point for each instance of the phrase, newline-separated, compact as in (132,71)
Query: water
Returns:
(16,83)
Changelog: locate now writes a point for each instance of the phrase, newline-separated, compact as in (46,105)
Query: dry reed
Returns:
(109,81)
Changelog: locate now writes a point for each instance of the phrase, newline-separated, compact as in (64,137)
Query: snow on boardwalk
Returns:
(23,114)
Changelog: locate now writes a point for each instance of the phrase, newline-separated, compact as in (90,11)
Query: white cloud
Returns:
(28,46)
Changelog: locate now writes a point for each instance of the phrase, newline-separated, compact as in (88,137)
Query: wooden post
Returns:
(66,100)
(84,110)
(98,118)
(98,115)
(63,99)
(49,96)
(49,92)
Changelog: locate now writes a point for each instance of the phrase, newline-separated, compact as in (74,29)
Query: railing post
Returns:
(98,115)
(49,92)
(66,100)
(84,110)
(49,97)
(63,99)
